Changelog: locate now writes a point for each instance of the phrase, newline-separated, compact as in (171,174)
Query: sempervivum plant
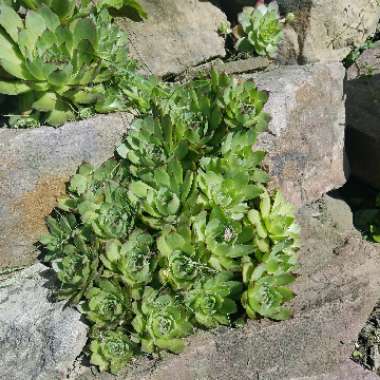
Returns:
(108,304)
(229,189)
(161,322)
(58,59)
(135,260)
(226,239)
(213,300)
(274,222)
(100,199)
(259,30)
(111,349)
(267,295)
(150,144)
(181,259)
(76,270)
(165,197)
(61,232)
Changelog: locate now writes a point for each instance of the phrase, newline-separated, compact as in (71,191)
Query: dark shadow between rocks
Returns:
(232,7)
(363,133)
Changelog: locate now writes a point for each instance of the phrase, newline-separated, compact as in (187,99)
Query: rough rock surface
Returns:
(347,371)
(288,50)
(305,140)
(328,30)
(34,167)
(367,64)
(39,340)
(177,34)
(239,66)
(363,134)
(337,287)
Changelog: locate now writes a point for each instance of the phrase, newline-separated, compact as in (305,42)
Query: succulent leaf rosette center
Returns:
(182,266)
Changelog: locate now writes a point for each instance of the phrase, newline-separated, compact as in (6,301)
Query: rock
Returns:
(305,139)
(368,64)
(35,164)
(288,50)
(337,286)
(328,30)
(240,66)
(177,34)
(347,371)
(363,136)
(39,340)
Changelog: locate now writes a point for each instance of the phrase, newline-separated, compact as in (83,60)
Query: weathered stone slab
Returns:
(328,30)
(363,128)
(305,139)
(240,66)
(177,34)
(337,286)
(39,340)
(34,167)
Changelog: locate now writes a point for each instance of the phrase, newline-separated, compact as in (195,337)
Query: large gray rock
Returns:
(177,34)
(34,167)
(363,133)
(328,30)
(337,286)
(39,340)
(305,139)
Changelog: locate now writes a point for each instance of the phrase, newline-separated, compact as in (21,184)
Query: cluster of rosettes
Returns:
(63,59)
(179,231)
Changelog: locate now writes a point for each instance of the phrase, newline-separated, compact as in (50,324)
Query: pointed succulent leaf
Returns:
(10,21)
(13,87)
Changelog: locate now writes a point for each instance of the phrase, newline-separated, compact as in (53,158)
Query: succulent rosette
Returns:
(266,296)
(165,199)
(182,261)
(226,239)
(229,189)
(59,58)
(135,260)
(111,350)
(260,30)
(213,300)
(76,270)
(101,200)
(161,322)
(61,229)
(108,304)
